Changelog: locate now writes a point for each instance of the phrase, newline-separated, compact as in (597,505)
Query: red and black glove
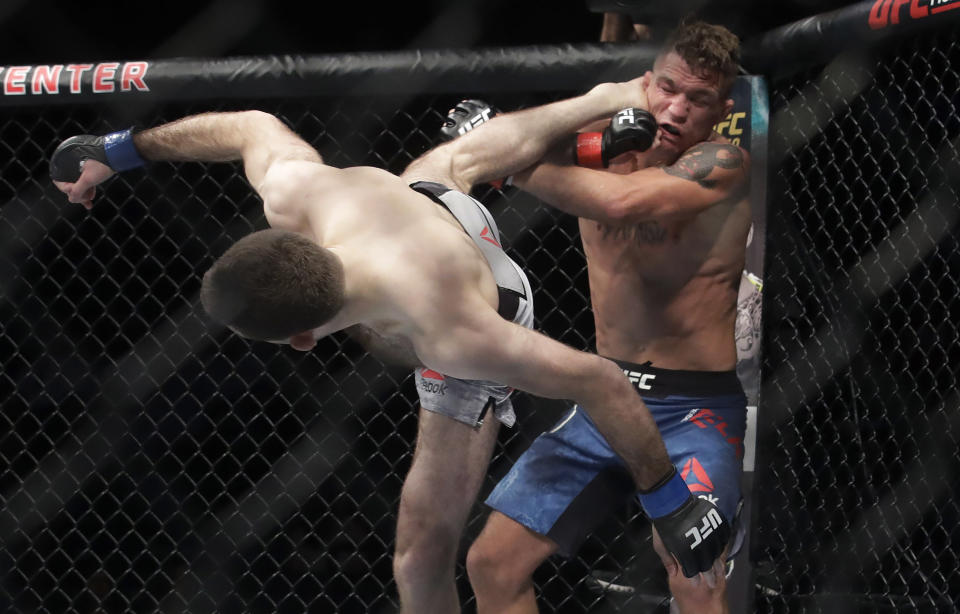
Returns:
(631,129)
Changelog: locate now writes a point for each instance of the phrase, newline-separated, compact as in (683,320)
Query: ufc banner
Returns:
(747,126)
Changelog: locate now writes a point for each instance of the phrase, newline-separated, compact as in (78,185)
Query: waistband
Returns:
(508,305)
(651,381)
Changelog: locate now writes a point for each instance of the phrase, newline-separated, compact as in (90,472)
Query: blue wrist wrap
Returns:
(121,154)
(667,498)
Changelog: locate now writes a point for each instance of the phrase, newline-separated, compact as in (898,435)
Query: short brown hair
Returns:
(273,284)
(707,48)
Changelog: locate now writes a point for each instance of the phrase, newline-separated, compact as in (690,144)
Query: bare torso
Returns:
(406,258)
(666,292)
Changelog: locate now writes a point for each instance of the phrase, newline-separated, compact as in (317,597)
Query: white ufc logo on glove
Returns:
(710,522)
(475,121)
(625,117)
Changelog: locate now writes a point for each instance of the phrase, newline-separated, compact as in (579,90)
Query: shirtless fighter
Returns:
(415,266)
(664,223)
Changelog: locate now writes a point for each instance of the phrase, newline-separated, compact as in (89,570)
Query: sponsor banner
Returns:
(556,68)
(750,131)
(747,126)
(818,39)
(74,79)
(886,13)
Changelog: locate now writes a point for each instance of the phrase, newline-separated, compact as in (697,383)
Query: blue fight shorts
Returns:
(570,479)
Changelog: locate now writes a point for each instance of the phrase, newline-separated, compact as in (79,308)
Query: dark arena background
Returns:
(152,462)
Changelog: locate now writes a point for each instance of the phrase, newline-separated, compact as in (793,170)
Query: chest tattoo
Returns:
(644,233)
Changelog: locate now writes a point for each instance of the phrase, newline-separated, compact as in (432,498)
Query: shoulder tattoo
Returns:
(699,161)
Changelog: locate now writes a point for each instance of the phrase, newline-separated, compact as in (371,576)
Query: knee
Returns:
(482,563)
(424,550)
(489,569)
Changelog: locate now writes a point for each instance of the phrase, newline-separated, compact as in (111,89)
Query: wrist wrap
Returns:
(120,151)
(589,150)
(666,496)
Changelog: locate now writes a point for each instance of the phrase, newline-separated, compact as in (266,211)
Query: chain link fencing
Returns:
(150,463)
(859,422)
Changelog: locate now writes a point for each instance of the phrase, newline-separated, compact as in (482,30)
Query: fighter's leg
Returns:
(559,489)
(501,563)
(706,446)
(702,594)
(449,463)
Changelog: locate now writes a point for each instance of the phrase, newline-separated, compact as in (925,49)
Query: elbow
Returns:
(448,164)
(463,168)
(257,127)
(259,118)
(255,122)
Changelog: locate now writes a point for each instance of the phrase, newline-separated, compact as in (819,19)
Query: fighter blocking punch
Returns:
(663,231)
(464,312)
(630,129)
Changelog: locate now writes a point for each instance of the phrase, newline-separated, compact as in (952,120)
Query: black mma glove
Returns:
(692,529)
(631,129)
(467,115)
(116,150)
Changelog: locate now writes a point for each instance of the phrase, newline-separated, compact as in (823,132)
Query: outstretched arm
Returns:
(259,139)
(514,141)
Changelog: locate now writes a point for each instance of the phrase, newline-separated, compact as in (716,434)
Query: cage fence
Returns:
(151,462)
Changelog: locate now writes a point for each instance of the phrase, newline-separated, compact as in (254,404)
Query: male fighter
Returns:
(415,266)
(664,223)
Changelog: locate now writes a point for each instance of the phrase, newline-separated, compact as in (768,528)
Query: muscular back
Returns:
(406,258)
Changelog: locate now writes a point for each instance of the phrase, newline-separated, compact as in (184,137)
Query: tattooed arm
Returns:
(707,174)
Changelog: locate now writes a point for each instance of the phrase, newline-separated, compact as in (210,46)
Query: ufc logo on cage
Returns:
(710,522)
(475,121)
(626,117)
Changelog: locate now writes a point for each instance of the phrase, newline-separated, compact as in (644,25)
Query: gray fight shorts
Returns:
(468,401)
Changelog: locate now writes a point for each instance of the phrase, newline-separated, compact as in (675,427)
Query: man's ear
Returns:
(727,108)
(642,32)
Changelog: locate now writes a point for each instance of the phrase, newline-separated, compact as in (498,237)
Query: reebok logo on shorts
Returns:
(696,476)
(711,499)
(432,382)
(705,418)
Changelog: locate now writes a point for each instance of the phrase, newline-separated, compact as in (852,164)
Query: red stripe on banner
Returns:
(946,7)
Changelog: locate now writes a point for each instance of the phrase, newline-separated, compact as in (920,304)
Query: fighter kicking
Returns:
(399,260)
